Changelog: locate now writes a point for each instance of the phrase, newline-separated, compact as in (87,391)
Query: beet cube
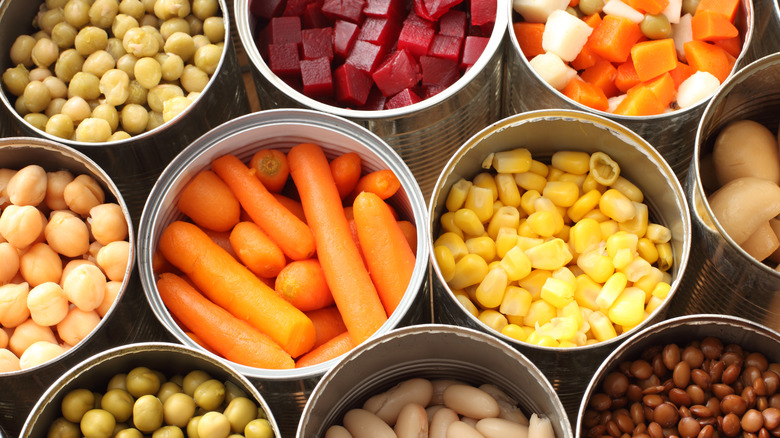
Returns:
(472,49)
(283,59)
(266,8)
(404,98)
(400,70)
(429,91)
(438,71)
(384,8)
(421,10)
(415,38)
(453,23)
(352,86)
(316,77)
(437,8)
(364,56)
(317,43)
(294,8)
(284,30)
(413,18)
(380,31)
(483,12)
(344,36)
(312,17)
(445,46)
(375,102)
(350,10)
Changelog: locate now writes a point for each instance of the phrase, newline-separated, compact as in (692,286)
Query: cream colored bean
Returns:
(21,225)
(159,94)
(55,106)
(470,401)
(36,120)
(98,63)
(762,243)
(90,39)
(77,109)
(500,428)
(103,12)
(47,303)
(441,421)
(85,85)
(113,259)
(180,43)
(60,125)
(746,148)
(57,87)
(461,429)
(36,96)
(13,304)
(140,43)
(27,186)
(10,265)
(332,432)
(21,50)
(193,78)
(82,194)
(5,176)
(196,24)
(133,8)
(68,64)
(16,79)
(39,74)
(44,52)
(67,233)
(172,25)
(540,427)
(133,118)
(77,13)
(207,58)
(744,204)
(93,130)
(364,424)
(506,404)
(155,120)
(412,422)
(39,353)
(214,29)
(172,66)
(64,35)
(388,405)
(165,9)
(28,333)
(77,325)
(439,385)
(115,86)
(115,48)
(118,135)
(148,72)
(8,361)
(85,286)
(174,106)
(108,113)
(113,289)
(40,264)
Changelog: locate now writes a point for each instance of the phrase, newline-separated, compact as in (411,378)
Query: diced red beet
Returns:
(344,36)
(384,8)
(421,10)
(445,46)
(438,71)
(266,8)
(352,86)
(404,98)
(400,70)
(283,30)
(437,8)
(350,10)
(453,23)
(413,18)
(283,59)
(415,38)
(316,77)
(483,12)
(365,56)
(472,49)
(294,8)
(432,90)
(313,18)
(375,102)
(381,31)
(317,43)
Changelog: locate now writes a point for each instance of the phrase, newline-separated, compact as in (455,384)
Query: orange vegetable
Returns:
(586,94)
(640,101)
(221,238)
(592,20)
(327,322)
(653,58)
(654,7)
(724,7)
(256,250)
(233,338)
(196,339)
(626,76)
(382,182)
(294,206)
(349,282)
(303,284)
(235,288)
(680,73)
(270,166)
(574,3)
(614,37)
(707,25)
(529,37)
(388,255)
(585,59)
(602,75)
(663,88)
(353,232)
(346,170)
(733,46)
(410,232)
(331,349)
(703,56)
(291,234)
(206,194)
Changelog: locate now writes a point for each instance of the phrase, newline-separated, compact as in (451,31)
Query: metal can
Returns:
(430,351)
(767,26)
(671,133)
(285,390)
(171,360)
(543,132)
(421,133)
(723,277)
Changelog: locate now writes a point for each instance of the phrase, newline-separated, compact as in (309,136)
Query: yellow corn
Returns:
(490,291)
(534,281)
(550,255)
(516,264)
(487,163)
(528,242)
(455,244)
(653,303)
(566,275)
(561,193)
(539,168)
(540,312)
(596,265)
(608,227)
(467,220)
(457,194)
(622,258)
(621,240)
(667,277)
(497,204)
(628,189)
(544,341)
(506,216)
(448,223)
(658,233)
(482,246)
(514,331)
(611,289)
(486,181)
(554,174)
(508,192)
(494,264)
(516,301)
(578,180)
(506,239)
(480,200)
(636,269)
(638,224)
(648,282)
(583,205)
(493,319)
(572,310)
(545,223)
(563,233)
(469,270)
(567,344)
(598,215)
(586,292)
(590,183)
(557,292)
(471,291)
(661,290)
(528,199)
(603,168)
(512,161)
(571,161)
(628,307)
(524,229)
(601,326)
(467,304)
(445,261)
(559,328)
(647,250)
(530,181)
(576,270)
(543,203)
(617,206)
(585,235)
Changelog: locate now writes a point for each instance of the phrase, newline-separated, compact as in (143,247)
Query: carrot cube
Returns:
(707,25)
(664,89)
(640,101)
(626,76)
(731,45)
(586,94)
(529,37)
(708,57)
(602,74)
(653,7)
(654,57)
(725,7)
(585,59)
(614,37)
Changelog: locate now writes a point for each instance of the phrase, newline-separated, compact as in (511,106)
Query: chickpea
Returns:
(93,130)
(47,303)
(165,9)
(148,72)
(214,29)
(27,186)
(49,18)
(123,23)
(85,286)
(55,106)
(207,58)
(133,8)
(140,43)
(147,413)
(97,423)
(21,225)
(149,20)
(20,107)
(82,194)
(108,113)
(76,108)
(39,74)
(181,44)
(204,9)
(108,223)
(155,120)
(8,361)
(133,118)
(174,106)
(193,78)
(60,125)
(55,185)
(98,62)
(16,79)
(113,259)
(77,13)
(118,136)
(5,176)
(102,13)
(172,25)
(113,288)
(64,35)
(44,52)
(214,424)
(126,63)
(138,94)
(68,64)
(28,333)
(84,85)
(67,234)
(119,403)
(13,304)
(37,120)
(90,39)
(10,266)
(115,48)
(36,96)
(39,353)
(21,50)
(57,87)
(40,264)
(77,325)
(196,24)
(172,66)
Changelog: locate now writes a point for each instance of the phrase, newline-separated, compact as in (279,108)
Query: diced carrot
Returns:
(529,37)
(640,101)
(708,57)
(725,7)
(574,3)
(653,58)
(654,7)
(680,73)
(626,76)
(663,88)
(602,74)
(592,20)
(614,37)
(586,94)
(707,25)
(731,45)
(585,59)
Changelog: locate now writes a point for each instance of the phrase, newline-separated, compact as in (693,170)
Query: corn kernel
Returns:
(616,206)
(490,291)
(539,168)
(516,301)
(559,328)
(530,181)
(658,233)
(494,264)
(487,163)
(622,258)
(566,275)
(486,181)
(601,326)
(661,290)
(457,194)
(590,183)
(482,246)
(545,223)
(567,344)
(563,233)
(506,239)
(493,319)
(586,292)
(524,229)
(550,255)
(454,242)
(585,235)
(653,303)
(561,193)
(480,200)
(516,264)
(576,179)
(512,161)
(528,199)
(572,310)
(534,281)
(467,304)
(467,220)
(557,292)
(540,312)
(621,240)
(636,269)
(667,276)
(445,261)
(628,307)
(648,282)
(598,215)
(608,228)
(596,265)
(576,270)
(571,161)
(448,223)
(628,189)
(611,289)
(603,168)
(554,174)
(647,250)
(469,270)
(497,204)
(508,192)
(638,224)
(514,331)
(471,291)
(505,216)
(547,341)
(528,242)
(583,205)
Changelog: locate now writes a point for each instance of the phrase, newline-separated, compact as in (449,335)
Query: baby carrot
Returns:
(346,170)
(303,284)
(234,339)
(382,182)
(388,255)
(270,166)
(292,205)
(410,232)
(196,339)
(232,286)
(289,232)
(327,322)
(256,250)
(206,194)
(349,282)
(333,348)
(353,232)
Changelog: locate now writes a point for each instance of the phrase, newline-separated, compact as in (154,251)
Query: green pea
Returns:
(689,6)
(590,7)
(656,27)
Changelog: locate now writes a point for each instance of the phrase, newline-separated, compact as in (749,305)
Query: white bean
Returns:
(439,385)
(506,404)
(500,428)
(412,422)
(440,422)
(459,429)
(540,427)
(388,405)
(743,204)
(470,401)
(364,424)
(337,432)
(38,353)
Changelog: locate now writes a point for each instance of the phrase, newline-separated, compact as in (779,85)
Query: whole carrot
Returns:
(327,322)
(256,250)
(289,232)
(387,253)
(346,170)
(235,288)
(349,282)
(383,182)
(205,194)
(410,231)
(233,338)
(303,284)
(333,348)
(292,205)
(270,166)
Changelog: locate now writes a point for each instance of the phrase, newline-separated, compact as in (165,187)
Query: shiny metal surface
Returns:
(767,29)
(723,278)
(430,351)
(135,163)
(681,330)
(95,372)
(285,390)
(423,134)
(672,133)
(543,132)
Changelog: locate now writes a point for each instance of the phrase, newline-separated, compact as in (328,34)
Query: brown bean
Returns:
(716,371)
(688,427)
(658,389)
(772,381)
(619,402)
(749,395)
(714,405)
(759,387)
(615,384)
(634,392)
(750,374)
(697,394)
(640,429)
(701,378)
(774,401)
(597,431)
(641,369)
(682,374)
(659,368)
(590,418)
(613,429)
(757,360)
(731,425)
(701,411)
(763,433)
(600,402)
(721,390)
(771,418)
(637,413)
(712,347)
(693,356)
(706,432)
(679,397)
(666,414)
(671,356)
(624,423)
(655,430)
(762,403)
(652,400)
(684,412)
(752,421)
(733,404)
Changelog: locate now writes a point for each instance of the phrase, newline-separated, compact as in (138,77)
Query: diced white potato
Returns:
(614,101)
(698,86)
(537,11)
(617,7)
(551,68)
(682,33)
(565,35)
(672,11)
